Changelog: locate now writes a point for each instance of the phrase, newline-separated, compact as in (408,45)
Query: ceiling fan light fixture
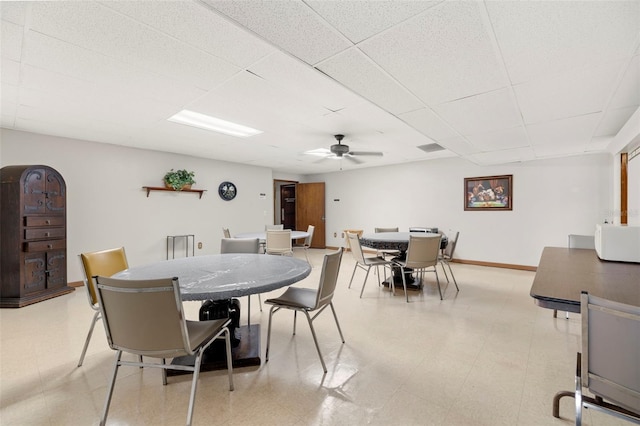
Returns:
(206,122)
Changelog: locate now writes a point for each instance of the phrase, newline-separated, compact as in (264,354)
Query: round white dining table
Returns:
(262,236)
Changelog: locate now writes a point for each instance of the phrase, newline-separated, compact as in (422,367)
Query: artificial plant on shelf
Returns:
(179,179)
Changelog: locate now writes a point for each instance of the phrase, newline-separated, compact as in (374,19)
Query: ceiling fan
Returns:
(340,150)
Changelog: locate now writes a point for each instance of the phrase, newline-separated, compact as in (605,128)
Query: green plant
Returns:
(179,178)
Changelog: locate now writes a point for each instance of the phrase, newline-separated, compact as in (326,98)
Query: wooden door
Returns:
(310,211)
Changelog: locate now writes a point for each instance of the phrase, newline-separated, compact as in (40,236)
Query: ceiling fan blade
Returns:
(369,153)
(352,159)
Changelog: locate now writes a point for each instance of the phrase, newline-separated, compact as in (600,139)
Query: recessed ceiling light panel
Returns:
(203,121)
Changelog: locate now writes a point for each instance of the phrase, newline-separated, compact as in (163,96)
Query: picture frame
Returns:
(488,193)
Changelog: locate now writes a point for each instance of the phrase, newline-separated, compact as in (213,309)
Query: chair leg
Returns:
(271,311)
(452,276)
(404,284)
(164,372)
(353,274)
(444,270)
(337,323)
(107,402)
(365,280)
(438,281)
(315,340)
(295,317)
(260,302)
(307,256)
(227,338)
(194,386)
(96,317)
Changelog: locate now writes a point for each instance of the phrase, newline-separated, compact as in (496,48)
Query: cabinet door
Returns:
(34,272)
(33,191)
(55,196)
(56,269)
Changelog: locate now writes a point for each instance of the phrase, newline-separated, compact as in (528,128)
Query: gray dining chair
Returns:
(306,244)
(608,365)
(422,254)
(226,233)
(106,263)
(145,317)
(279,242)
(366,262)
(307,300)
(242,245)
(278,227)
(387,252)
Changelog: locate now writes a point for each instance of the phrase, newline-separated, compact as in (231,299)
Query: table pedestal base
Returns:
(245,354)
(412,283)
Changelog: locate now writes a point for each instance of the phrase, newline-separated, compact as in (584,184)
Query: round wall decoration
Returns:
(227,191)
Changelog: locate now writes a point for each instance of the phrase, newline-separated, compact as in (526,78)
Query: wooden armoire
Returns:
(33,235)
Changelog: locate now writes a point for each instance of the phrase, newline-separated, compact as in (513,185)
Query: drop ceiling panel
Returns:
(515,137)
(289,24)
(575,131)
(10,71)
(481,113)
(503,156)
(357,72)
(443,54)
(103,30)
(576,93)
(111,76)
(13,11)
(199,27)
(547,37)
(294,76)
(11,41)
(459,145)
(613,120)
(359,20)
(628,92)
(429,124)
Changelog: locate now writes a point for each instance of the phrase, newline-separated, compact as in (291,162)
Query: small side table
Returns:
(186,237)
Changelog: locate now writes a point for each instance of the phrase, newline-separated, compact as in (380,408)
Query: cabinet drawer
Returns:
(42,233)
(44,245)
(44,221)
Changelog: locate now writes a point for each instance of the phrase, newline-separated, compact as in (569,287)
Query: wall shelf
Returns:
(162,188)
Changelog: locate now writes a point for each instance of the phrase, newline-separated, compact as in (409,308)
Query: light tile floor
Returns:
(484,356)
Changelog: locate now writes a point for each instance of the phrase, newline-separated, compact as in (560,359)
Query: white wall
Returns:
(551,199)
(107,207)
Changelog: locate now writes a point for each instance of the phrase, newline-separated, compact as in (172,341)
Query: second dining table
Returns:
(222,277)
(398,241)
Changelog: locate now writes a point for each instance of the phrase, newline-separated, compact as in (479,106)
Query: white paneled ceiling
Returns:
(490,81)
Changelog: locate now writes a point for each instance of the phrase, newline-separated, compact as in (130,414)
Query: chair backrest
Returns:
(240,245)
(582,241)
(611,350)
(452,237)
(356,248)
(423,250)
(307,241)
(144,317)
(386,229)
(105,263)
(328,278)
(279,227)
(226,233)
(278,242)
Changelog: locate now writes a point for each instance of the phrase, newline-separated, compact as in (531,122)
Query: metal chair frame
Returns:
(308,300)
(365,263)
(422,254)
(124,342)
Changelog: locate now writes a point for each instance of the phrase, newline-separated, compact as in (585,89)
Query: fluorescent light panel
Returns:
(202,121)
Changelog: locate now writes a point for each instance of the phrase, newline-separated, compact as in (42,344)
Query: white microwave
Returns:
(618,242)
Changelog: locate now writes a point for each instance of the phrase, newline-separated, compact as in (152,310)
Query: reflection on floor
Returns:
(484,356)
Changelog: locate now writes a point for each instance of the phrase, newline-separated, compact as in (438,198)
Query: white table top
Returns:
(262,236)
(223,276)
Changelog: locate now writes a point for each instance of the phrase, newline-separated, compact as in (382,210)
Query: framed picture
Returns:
(488,193)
